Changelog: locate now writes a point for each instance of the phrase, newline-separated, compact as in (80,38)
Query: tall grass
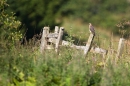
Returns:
(24,65)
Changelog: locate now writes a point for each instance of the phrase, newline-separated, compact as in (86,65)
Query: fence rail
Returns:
(56,40)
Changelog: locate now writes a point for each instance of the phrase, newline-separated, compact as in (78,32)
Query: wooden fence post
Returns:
(56,29)
(88,44)
(59,39)
(120,47)
(43,39)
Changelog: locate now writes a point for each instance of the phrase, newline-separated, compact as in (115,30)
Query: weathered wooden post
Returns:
(88,44)
(59,39)
(43,39)
(120,47)
(56,29)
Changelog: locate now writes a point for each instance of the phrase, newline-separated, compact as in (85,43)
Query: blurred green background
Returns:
(35,14)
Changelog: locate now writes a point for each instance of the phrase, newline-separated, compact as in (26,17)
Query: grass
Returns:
(80,31)
(24,65)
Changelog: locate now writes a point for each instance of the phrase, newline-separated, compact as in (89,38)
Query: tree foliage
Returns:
(102,13)
(36,14)
(9,26)
(95,10)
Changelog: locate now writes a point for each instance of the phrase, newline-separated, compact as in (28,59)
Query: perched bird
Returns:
(91,29)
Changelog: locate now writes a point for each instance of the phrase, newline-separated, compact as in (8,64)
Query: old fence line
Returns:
(54,41)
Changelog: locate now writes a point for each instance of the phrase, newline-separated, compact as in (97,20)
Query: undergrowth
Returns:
(24,65)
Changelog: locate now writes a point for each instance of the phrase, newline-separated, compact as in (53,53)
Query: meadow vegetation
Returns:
(24,65)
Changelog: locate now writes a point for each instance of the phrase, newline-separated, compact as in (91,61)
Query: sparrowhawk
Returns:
(91,29)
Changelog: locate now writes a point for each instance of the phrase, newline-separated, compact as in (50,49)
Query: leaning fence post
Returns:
(120,47)
(59,39)
(43,39)
(88,44)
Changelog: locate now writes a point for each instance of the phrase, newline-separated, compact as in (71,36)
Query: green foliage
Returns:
(23,65)
(36,14)
(124,28)
(116,74)
(9,31)
(91,8)
(69,68)
(101,13)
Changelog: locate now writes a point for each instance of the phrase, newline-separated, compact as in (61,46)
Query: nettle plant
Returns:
(9,26)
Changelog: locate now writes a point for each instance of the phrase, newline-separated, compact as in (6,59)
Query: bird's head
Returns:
(90,24)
